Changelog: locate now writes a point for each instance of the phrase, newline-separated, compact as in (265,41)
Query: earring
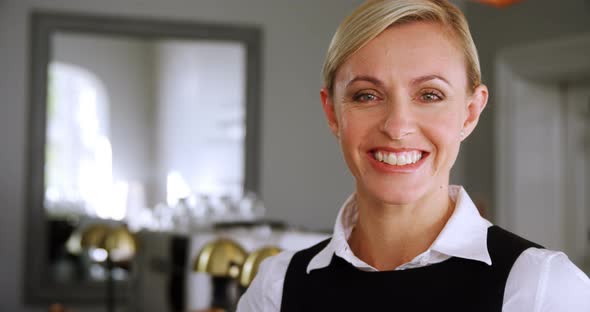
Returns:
(462,133)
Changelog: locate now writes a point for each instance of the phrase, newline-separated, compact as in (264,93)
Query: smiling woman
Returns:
(402,90)
(418,110)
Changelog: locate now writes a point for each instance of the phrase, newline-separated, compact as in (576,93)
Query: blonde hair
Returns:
(374,16)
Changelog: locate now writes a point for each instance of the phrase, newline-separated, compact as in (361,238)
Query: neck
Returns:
(387,236)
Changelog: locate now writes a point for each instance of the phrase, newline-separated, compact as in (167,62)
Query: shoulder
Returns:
(546,280)
(266,291)
(499,238)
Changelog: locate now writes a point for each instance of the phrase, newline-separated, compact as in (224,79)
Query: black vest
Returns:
(455,284)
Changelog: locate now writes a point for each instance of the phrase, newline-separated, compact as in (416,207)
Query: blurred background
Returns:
(134,135)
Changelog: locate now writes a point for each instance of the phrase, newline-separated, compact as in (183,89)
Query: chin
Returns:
(394,196)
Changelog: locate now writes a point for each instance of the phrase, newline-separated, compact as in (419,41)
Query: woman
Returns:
(402,90)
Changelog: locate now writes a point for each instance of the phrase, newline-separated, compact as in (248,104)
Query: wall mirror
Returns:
(127,114)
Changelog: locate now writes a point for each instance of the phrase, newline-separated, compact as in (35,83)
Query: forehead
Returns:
(408,51)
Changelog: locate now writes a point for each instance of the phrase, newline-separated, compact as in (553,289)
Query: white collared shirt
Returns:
(540,279)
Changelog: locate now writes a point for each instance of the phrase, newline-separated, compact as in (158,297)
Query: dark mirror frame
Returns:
(38,289)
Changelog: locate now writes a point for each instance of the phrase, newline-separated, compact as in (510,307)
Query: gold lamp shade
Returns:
(118,242)
(252,263)
(220,258)
(94,235)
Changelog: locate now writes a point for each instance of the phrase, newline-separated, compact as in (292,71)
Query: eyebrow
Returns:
(428,78)
(370,79)
(414,81)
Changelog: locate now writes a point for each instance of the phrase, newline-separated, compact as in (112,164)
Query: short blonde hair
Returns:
(374,16)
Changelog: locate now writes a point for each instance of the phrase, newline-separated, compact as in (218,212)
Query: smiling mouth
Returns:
(398,158)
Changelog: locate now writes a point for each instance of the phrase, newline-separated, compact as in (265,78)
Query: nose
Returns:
(398,121)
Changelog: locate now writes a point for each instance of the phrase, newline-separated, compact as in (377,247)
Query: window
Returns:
(78,172)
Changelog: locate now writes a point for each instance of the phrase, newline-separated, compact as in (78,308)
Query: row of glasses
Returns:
(197,213)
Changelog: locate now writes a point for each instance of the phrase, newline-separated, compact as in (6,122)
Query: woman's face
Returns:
(400,109)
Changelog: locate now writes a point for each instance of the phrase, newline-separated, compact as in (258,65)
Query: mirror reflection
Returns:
(142,132)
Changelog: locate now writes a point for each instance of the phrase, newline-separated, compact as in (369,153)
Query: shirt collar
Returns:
(464,235)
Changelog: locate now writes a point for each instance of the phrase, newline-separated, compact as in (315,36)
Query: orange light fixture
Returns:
(499,3)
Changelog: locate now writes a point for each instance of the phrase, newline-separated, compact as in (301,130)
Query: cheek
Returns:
(356,126)
(348,133)
(344,123)
(444,131)
(354,131)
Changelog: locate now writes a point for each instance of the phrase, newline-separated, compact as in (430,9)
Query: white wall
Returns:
(496,29)
(303,177)
(541,182)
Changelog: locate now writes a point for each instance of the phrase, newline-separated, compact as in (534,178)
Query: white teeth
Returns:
(379,156)
(399,159)
(402,160)
(391,159)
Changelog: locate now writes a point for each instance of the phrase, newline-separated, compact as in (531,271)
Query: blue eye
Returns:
(365,97)
(431,97)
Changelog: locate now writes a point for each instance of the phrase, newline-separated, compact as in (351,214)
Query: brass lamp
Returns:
(220,258)
(252,263)
(93,236)
(119,244)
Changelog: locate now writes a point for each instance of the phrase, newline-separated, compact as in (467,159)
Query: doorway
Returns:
(542,143)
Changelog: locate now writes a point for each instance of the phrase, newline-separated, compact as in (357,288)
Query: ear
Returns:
(477,102)
(330,111)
